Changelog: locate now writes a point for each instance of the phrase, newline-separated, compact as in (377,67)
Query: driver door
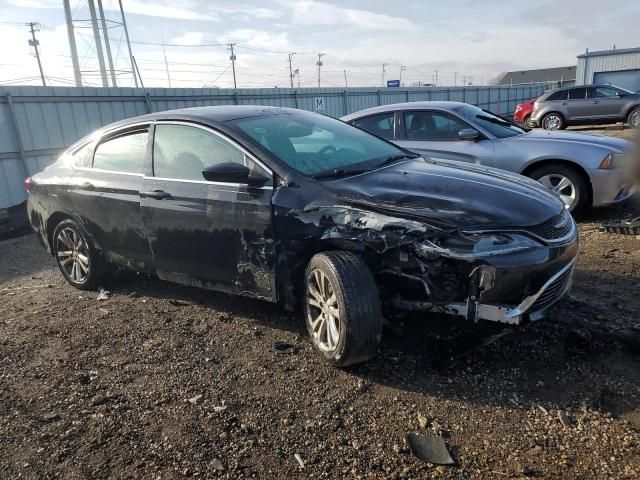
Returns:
(434,134)
(215,235)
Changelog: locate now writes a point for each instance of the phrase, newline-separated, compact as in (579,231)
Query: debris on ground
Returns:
(220,409)
(103,294)
(299,460)
(100,400)
(429,449)
(625,227)
(284,348)
(195,399)
(51,417)
(588,341)
(216,464)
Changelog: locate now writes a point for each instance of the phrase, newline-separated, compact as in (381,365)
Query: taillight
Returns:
(27,184)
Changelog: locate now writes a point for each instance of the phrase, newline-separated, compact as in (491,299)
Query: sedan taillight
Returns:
(27,184)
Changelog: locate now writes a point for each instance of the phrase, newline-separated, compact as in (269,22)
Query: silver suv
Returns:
(586,104)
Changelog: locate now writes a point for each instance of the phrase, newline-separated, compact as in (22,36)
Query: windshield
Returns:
(314,144)
(493,124)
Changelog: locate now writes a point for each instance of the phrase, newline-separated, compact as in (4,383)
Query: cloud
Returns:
(189,38)
(247,12)
(312,12)
(187,10)
(35,3)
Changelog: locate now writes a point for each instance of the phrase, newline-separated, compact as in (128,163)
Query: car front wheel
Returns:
(553,121)
(342,308)
(566,182)
(76,256)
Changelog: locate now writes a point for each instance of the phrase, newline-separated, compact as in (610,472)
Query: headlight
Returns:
(473,245)
(613,160)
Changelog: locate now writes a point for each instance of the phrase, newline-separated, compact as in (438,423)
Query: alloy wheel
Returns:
(562,185)
(529,123)
(634,119)
(323,311)
(73,255)
(552,122)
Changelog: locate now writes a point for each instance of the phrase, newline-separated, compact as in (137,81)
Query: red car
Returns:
(523,113)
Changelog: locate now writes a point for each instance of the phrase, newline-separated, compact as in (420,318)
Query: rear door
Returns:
(382,125)
(106,196)
(434,133)
(607,102)
(209,234)
(578,107)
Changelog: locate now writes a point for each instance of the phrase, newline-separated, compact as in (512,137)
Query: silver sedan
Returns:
(585,170)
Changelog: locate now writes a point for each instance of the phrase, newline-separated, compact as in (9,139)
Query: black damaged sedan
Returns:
(304,210)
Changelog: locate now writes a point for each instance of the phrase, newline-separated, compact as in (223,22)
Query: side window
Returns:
(380,125)
(432,126)
(124,153)
(561,95)
(605,92)
(182,152)
(577,93)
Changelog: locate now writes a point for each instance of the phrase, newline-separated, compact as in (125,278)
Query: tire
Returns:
(548,175)
(346,279)
(633,119)
(528,123)
(85,271)
(553,121)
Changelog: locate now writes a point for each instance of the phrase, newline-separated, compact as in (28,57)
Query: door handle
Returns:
(157,194)
(86,186)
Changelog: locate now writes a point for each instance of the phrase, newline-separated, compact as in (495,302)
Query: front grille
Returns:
(554,291)
(556,227)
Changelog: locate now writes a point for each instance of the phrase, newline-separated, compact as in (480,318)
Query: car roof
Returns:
(209,115)
(442,105)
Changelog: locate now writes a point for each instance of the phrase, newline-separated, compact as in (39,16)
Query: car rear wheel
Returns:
(566,182)
(528,123)
(634,118)
(76,256)
(553,121)
(342,308)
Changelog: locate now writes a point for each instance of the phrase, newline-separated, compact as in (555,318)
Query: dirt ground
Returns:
(162,381)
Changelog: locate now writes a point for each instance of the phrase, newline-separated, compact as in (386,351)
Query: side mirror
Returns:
(470,134)
(232,173)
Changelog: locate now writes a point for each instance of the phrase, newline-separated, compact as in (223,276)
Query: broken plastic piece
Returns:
(430,449)
(299,459)
(626,227)
(103,294)
(284,348)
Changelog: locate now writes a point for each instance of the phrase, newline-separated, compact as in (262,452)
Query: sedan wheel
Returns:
(342,308)
(634,118)
(528,123)
(553,121)
(75,255)
(562,185)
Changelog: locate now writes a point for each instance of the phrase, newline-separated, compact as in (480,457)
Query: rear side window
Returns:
(182,152)
(124,153)
(380,125)
(577,93)
(605,92)
(561,95)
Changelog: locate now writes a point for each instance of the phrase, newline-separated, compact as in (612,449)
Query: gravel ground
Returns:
(162,381)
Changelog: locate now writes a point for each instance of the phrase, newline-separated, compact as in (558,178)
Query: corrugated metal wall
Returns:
(592,64)
(38,123)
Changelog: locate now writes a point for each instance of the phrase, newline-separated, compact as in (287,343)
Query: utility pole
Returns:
(126,34)
(345,79)
(166,64)
(291,68)
(232,57)
(319,64)
(455,79)
(384,66)
(96,38)
(72,44)
(436,81)
(402,69)
(107,46)
(135,66)
(34,43)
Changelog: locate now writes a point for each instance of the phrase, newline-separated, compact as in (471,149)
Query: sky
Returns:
(462,40)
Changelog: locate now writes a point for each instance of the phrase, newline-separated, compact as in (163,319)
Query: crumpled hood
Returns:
(575,139)
(460,194)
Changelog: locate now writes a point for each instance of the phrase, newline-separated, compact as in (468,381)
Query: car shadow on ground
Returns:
(449,357)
